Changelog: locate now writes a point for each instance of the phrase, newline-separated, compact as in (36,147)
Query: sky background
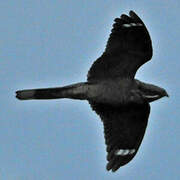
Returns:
(53,43)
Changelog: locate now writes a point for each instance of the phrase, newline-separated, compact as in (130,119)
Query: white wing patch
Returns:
(124,152)
(132,24)
(155,96)
(126,25)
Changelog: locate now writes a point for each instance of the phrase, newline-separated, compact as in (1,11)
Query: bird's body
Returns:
(111,92)
(121,101)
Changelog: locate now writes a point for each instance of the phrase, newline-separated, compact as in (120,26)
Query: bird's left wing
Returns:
(129,46)
(124,128)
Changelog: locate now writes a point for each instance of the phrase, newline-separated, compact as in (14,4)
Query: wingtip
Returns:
(131,11)
(112,167)
(133,15)
(109,166)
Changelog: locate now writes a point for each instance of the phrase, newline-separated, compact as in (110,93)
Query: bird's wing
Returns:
(129,46)
(124,128)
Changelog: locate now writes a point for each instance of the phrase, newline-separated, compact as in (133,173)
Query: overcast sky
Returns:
(53,43)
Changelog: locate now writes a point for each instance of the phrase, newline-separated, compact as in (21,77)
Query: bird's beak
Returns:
(166,94)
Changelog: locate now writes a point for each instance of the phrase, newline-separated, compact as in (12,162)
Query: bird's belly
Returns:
(108,93)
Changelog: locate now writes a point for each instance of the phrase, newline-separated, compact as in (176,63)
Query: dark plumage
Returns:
(121,101)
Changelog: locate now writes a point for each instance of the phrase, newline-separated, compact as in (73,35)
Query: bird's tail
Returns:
(74,91)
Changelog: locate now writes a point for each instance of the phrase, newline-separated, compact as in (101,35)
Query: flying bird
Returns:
(121,101)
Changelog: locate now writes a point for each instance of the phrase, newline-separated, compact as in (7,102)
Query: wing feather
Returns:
(124,128)
(129,46)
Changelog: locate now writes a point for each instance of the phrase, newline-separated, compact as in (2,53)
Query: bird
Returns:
(121,101)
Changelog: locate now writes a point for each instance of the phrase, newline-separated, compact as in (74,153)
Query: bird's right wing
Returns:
(129,46)
(124,128)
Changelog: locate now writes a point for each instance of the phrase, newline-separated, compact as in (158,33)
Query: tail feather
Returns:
(74,91)
(25,94)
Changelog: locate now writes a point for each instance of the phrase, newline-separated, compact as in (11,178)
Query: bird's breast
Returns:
(110,92)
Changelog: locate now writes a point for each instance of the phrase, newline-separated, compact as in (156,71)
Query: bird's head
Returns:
(151,92)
